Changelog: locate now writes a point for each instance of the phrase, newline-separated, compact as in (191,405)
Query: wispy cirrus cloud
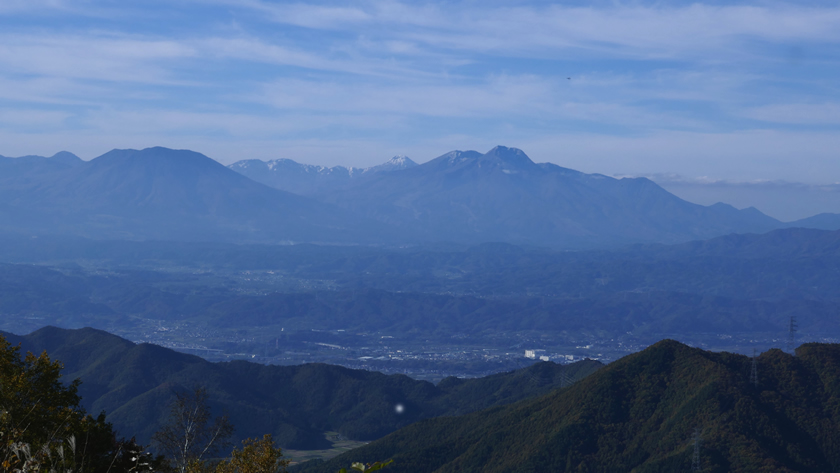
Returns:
(636,30)
(308,15)
(104,57)
(20,6)
(820,114)
(27,118)
(511,95)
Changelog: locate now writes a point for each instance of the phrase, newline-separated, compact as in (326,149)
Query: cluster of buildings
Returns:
(537,353)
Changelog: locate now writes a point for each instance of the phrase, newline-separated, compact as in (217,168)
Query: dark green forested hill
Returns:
(639,414)
(134,383)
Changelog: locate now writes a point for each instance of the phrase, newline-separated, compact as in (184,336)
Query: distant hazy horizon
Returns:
(785,201)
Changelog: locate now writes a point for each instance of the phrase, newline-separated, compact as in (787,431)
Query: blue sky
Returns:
(706,92)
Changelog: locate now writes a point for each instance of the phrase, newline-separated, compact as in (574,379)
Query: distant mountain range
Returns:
(163,194)
(504,196)
(462,196)
(134,383)
(823,221)
(643,413)
(307,179)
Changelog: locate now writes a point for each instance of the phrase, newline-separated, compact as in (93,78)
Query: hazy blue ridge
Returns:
(158,193)
(463,197)
(703,295)
(736,283)
(823,221)
(502,195)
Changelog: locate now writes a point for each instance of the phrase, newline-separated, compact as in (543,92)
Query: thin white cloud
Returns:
(97,57)
(308,15)
(27,119)
(801,113)
(258,51)
(515,96)
(617,30)
(600,99)
(51,90)
(132,58)
(24,6)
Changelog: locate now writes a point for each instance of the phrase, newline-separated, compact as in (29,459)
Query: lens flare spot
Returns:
(399,408)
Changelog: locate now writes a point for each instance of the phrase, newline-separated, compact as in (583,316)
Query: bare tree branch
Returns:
(190,434)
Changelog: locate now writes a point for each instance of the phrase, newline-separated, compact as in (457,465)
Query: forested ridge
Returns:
(639,414)
(134,383)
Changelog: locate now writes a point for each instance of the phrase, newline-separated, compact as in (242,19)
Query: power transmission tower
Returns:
(695,459)
(792,335)
(754,370)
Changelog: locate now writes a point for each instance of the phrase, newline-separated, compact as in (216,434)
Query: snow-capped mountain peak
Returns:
(397,163)
(306,179)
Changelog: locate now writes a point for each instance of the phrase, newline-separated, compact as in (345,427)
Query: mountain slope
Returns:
(504,196)
(823,221)
(783,244)
(639,414)
(297,404)
(290,176)
(462,196)
(21,173)
(397,163)
(160,193)
(310,180)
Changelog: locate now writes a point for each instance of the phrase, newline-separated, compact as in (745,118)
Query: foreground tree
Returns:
(191,435)
(43,427)
(256,456)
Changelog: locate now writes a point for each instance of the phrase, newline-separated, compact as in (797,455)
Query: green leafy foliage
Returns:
(44,428)
(256,456)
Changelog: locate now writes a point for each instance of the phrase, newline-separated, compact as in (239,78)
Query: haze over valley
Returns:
(451,267)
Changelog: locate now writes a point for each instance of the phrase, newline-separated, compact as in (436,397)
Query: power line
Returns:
(565,379)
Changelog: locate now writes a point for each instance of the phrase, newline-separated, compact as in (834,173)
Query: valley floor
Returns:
(433,359)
